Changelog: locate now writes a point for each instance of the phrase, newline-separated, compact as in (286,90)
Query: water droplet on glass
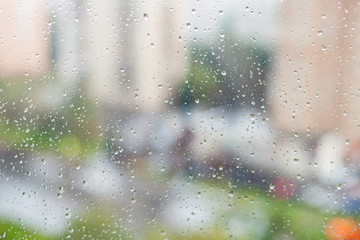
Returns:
(231,193)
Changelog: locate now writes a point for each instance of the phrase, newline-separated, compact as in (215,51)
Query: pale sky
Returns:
(249,19)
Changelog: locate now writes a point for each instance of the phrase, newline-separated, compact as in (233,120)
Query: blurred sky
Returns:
(248,19)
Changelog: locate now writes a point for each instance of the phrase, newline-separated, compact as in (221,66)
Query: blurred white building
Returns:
(129,54)
(134,54)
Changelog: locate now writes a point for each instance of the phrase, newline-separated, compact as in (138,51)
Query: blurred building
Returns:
(129,55)
(315,87)
(134,53)
(65,39)
(24,38)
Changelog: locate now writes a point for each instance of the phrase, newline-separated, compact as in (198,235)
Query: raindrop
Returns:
(231,193)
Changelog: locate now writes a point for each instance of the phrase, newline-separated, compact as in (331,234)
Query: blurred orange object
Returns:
(343,228)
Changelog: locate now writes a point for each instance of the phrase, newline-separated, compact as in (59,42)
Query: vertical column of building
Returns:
(158,53)
(65,40)
(101,51)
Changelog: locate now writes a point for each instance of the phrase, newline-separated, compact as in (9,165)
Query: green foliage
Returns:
(233,74)
(27,126)
(11,230)
(96,224)
(201,85)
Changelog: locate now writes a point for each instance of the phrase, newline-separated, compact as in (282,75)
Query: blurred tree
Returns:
(230,73)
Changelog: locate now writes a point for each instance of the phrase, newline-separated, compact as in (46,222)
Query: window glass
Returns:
(179,119)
